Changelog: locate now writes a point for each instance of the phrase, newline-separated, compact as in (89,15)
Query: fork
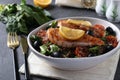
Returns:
(13,43)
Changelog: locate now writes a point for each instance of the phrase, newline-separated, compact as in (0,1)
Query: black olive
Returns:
(110,31)
(90,32)
(36,44)
(108,48)
(56,54)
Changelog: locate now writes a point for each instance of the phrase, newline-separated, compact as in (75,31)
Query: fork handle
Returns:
(15,67)
(27,75)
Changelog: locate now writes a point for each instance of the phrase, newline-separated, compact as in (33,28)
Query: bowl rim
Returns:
(77,17)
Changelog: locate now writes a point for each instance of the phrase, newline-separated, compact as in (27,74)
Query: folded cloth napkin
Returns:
(77,3)
(103,71)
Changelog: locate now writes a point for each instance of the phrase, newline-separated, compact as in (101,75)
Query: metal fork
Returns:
(13,43)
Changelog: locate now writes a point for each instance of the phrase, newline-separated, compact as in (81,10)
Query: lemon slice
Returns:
(42,3)
(78,22)
(71,34)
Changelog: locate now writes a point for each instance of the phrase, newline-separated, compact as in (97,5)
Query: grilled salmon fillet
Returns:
(55,37)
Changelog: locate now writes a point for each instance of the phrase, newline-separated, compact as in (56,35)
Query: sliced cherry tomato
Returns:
(81,51)
(112,40)
(98,30)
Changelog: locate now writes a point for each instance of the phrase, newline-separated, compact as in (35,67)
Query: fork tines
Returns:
(12,39)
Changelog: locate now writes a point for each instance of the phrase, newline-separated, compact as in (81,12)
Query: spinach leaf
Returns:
(54,48)
(94,50)
(44,49)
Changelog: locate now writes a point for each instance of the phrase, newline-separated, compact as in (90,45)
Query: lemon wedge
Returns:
(78,22)
(42,3)
(71,34)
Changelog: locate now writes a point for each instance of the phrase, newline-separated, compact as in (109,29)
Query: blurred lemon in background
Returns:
(42,3)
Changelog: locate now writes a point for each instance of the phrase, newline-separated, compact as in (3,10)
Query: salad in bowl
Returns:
(75,42)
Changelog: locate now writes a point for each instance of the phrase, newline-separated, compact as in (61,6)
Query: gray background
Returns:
(6,64)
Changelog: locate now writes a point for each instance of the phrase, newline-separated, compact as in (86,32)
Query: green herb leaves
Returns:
(49,48)
(22,18)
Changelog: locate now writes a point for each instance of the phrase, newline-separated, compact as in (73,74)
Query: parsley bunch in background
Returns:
(22,17)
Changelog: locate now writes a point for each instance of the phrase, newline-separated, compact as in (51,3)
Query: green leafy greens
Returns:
(49,48)
(22,18)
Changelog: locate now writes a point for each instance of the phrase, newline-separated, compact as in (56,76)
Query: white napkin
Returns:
(74,3)
(103,71)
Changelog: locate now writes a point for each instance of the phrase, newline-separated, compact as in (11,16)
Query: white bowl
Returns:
(77,63)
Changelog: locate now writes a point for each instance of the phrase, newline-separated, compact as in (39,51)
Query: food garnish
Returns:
(79,22)
(71,34)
